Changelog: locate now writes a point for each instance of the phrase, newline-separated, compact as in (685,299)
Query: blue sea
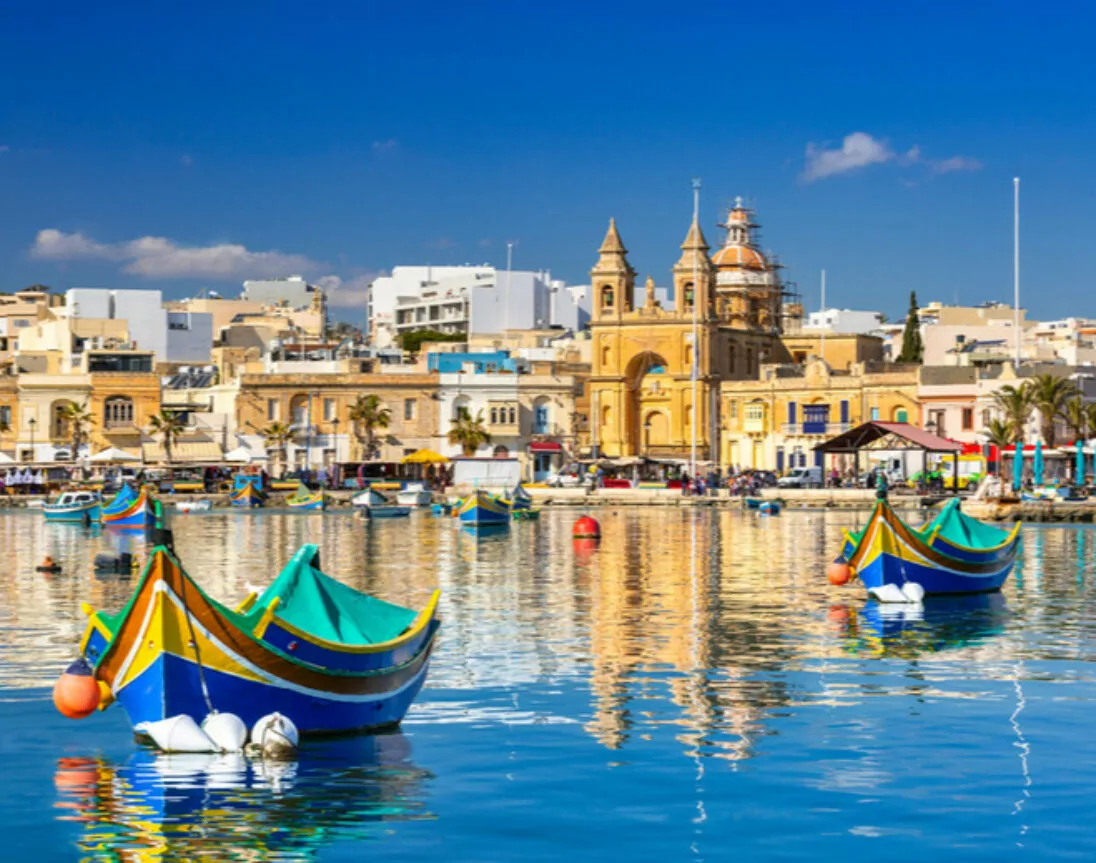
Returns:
(690,689)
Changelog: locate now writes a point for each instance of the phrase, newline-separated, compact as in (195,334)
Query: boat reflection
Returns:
(907,631)
(156,807)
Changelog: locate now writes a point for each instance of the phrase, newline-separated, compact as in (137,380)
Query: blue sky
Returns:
(196,145)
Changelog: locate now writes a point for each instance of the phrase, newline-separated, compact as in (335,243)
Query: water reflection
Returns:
(155,807)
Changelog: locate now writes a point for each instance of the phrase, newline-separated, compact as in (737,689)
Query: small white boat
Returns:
(373,504)
(81,507)
(203,505)
(414,494)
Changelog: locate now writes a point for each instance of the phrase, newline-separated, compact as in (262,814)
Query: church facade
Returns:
(641,384)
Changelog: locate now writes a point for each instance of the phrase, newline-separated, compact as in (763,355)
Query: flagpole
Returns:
(1016,264)
(696,342)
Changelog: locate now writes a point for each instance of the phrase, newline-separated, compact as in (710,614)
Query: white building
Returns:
(471,301)
(175,337)
(844,321)
(294,292)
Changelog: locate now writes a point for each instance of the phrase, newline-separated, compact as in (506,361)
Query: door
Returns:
(780,461)
(542,466)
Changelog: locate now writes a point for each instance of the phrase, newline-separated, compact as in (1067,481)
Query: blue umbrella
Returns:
(1017,465)
(1037,464)
(1080,478)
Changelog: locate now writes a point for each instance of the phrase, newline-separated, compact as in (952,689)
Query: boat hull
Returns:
(313,504)
(72,514)
(482,510)
(414,498)
(890,552)
(128,512)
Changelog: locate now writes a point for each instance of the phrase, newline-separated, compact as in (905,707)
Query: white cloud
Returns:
(386,145)
(187,160)
(859,150)
(4,148)
(161,258)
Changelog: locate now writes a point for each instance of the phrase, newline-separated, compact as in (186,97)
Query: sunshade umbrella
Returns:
(1080,477)
(114,454)
(425,456)
(6,459)
(1017,465)
(1037,464)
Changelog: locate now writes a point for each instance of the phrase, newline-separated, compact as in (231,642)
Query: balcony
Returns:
(754,425)
(815,428)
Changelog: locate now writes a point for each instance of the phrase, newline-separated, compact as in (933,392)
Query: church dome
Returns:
(737,256)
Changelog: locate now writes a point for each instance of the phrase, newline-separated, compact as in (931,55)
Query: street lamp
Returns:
(335,440)
(32,422)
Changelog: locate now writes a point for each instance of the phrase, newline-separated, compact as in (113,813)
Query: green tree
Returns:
(912,349)
(169,427)
(1076,416)
(77,420)
(277,436)
(999,433)
(368,414)
(1015,403)
(1050,395)
(469,433)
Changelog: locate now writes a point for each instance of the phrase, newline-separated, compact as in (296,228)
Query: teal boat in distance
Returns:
(74,507)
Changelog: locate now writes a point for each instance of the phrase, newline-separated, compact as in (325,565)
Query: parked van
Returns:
(802,477)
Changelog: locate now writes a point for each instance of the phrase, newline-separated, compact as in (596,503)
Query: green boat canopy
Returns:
(328,609)
(956,527)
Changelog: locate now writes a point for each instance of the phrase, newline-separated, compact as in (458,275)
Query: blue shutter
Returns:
(844,411)
(791,412)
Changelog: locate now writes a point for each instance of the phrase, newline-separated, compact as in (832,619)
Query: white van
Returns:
(802,477)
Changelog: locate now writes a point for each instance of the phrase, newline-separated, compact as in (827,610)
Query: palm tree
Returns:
(1076,416)
(999,433)
(469,433)
(76,419)
(1049,396)
(169,427)
(368,414)
(1015,404)
(277,436)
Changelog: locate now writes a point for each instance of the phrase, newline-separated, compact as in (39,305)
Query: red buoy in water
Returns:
(76,692)
(586,528)
(839,572)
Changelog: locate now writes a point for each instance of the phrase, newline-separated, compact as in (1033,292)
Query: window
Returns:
(513,415)
(540,419)
(936,422)
(5,415)
(968,419)
(271,409)
(731,358)
(734,410)
(874,414)
(409,409)
(987,415)
(690,295)
(749,361)
(118,411)
(20,324)
(901,416)
(494,416)
(791,413)
(607,297)
(844,411)
(328,410)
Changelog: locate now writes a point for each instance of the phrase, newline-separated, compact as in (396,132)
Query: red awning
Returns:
(545,446)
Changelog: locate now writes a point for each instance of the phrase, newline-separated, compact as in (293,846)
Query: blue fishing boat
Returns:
(248,495)
(305,499)
(769,507)
(129,509)
(329,657)
(953,553)
(74,507)
(481,509)
(519,499)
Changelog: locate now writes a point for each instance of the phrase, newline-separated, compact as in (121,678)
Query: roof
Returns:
(739,256)
(902,435)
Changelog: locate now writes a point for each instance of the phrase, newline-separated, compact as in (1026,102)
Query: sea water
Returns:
(690,688)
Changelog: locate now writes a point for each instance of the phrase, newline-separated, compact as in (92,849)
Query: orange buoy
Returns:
(48,565)
(839,572)
(76,692)
(586,528)
(585,548)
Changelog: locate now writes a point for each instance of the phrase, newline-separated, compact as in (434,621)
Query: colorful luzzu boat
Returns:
(519,499)
(74,507)
(303,499)
(951,554)
(481,509)
(247,495)
(330,658)
(129,510)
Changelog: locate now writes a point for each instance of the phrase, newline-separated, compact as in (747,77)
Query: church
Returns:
(641,390)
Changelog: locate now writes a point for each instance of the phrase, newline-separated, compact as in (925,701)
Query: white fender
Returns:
(179,734)
(913,591)
(888,593)
(276,736)
(226,730)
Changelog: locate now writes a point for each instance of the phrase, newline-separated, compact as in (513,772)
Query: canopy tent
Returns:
(240,455)
(113,454)
(891,436)
(6,459)
(425,456)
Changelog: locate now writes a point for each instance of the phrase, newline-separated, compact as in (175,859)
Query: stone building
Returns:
(640,389)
